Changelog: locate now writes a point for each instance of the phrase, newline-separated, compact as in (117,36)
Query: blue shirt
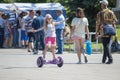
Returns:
(61,25)
(38,23)
(1,23)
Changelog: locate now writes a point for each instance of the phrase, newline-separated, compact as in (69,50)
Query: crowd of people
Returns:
(19,33)
(35,31)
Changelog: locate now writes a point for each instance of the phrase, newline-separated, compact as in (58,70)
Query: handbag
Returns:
(109,30)
(115,47)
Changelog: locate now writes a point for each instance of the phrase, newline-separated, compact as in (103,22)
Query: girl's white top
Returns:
(79,24)
(50,32)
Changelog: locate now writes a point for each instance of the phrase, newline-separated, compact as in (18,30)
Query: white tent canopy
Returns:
(4,6)
(49,6)
(30,6)
(46,8)
(38,6)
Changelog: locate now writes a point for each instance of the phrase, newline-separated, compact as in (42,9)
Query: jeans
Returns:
(39,40)
(59,36)
(15,37)
(1,37)
(106,48)
(19,38)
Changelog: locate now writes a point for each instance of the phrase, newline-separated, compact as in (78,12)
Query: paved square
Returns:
(18,64)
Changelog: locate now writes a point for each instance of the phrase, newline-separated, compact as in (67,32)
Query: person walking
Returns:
(13,20)
(59,32)
(28,26)
(79,27)
(105,17)
(24,37)
(1,30)
(38,22)
(19,24)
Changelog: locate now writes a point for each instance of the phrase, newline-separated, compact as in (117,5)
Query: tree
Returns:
(91,7)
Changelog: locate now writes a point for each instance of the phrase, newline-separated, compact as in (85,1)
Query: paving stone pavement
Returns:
(18,64)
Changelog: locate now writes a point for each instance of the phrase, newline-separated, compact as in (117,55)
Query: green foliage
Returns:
(25,1)
(118,32)
(31,1)
(6,1)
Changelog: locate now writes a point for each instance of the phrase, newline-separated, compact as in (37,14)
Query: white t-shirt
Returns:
(50,32)
(79,24)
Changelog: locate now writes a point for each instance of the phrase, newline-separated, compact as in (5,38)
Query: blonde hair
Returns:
(46,23)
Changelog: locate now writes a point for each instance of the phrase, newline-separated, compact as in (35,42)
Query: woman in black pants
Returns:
(107,52)
(105,17)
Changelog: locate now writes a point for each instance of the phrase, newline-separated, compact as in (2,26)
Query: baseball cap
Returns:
(48,16)
(104,2)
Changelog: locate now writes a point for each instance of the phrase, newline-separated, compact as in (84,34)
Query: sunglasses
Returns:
(49,18)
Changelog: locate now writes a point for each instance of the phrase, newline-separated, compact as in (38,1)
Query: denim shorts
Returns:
(24,35)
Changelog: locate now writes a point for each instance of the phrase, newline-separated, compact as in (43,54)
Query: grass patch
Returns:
(118,32)
(94,46)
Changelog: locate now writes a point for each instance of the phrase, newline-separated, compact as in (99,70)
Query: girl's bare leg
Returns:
(53,51)
(30,46)
(77,43)
(44,52)
(82,49)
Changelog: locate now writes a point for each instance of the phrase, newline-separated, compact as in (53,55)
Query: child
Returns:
(79,28)
(50,35)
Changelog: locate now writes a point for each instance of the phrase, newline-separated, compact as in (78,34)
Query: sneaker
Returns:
(35,52)
(79,62)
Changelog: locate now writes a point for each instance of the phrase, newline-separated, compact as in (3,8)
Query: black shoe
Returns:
(29,50)
(103,61)
(109,62)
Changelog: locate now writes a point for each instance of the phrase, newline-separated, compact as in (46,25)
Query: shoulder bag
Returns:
(109,30)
